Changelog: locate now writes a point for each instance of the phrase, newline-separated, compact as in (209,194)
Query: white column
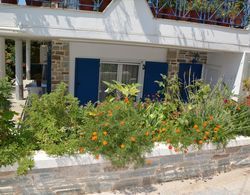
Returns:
(2,58)
(28,59)
(19,69)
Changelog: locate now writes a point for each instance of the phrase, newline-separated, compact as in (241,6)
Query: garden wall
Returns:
(84,174)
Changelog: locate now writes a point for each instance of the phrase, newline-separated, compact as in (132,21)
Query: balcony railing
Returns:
(234,13)
(91,5)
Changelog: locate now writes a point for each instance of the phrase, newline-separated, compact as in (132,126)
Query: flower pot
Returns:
(194,16)
(210,18)
(34,3)
(248,100)
(104,4)
(9,1)
(223,21)
(86,5)
(167,13)
(237,21)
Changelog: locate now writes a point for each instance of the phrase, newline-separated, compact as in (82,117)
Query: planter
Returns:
(34,3)
(104,4)
(237,21)
(248,100)
(167,13)
(221,21)
(209,19)
(86,5)
(194,16)
(9,1)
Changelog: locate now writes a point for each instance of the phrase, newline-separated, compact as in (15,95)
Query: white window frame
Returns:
(140,76)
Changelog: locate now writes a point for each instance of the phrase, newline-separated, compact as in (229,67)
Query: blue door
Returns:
(87,79)
(187,74)
(153,71)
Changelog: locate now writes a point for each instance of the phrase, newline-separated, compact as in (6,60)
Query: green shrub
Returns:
(116,130)
(54,120)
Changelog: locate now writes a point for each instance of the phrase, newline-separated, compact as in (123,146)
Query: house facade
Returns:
(131,41)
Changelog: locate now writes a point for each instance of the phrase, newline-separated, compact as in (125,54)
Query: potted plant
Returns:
(9,1)
(235,14)
(195,7)
(246,88)
(34,3)
(86,5)
(167,9)
(211,14)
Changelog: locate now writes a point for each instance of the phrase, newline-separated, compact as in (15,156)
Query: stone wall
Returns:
(175,57)
(102,176)
(59,63)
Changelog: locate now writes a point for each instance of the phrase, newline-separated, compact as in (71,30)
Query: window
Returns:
(122,72)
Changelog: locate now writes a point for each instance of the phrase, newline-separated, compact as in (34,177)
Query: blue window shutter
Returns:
(187,74)
(153,71)
(87,79)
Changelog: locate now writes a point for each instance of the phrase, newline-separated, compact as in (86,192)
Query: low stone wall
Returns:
(83,174)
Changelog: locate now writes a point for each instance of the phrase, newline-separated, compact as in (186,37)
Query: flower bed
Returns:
(122,130)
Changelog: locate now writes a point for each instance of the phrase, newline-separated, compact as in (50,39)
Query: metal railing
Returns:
(91,5)
(233,13)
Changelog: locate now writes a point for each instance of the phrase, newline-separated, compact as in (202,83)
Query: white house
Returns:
(127,40)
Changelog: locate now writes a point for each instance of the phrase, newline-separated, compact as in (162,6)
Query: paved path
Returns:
(235,182)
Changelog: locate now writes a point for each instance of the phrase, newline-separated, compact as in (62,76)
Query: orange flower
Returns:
(211,117)
(218,126)
(122,146)
(126,100)
(105,133)
(163,129)
(147,133)
(196,127)
(216,129)
(110,113)
(122,123)
(132,139)
(94,133)
(177,130)
(105,143)
(97,156)
(200,142)
(205,124)
(94,138)
(207,133)
(198,130)
(81,150)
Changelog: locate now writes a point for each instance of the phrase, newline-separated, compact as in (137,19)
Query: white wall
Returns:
(107,52)
(129,21)
(228,66)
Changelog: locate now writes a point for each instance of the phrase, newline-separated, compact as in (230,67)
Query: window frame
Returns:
(120,64)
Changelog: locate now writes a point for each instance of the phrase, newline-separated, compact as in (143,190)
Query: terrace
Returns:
(229,13)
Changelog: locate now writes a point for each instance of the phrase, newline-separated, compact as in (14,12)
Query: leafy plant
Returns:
(54,120)
(117,131)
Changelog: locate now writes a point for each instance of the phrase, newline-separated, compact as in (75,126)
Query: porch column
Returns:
(2,58)
(28,59)
(19,69)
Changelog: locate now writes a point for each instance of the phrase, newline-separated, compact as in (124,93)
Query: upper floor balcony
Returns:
(230,13)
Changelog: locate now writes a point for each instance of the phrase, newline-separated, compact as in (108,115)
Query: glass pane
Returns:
(130,74)
(108,73)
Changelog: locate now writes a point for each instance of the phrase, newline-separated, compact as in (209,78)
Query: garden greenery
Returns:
(120,129)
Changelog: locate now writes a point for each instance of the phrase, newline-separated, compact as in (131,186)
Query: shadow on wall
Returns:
(122,20)
(225,66)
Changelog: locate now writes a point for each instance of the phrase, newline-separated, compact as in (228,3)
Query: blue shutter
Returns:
(153,71)
(187,74)
(87,79)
